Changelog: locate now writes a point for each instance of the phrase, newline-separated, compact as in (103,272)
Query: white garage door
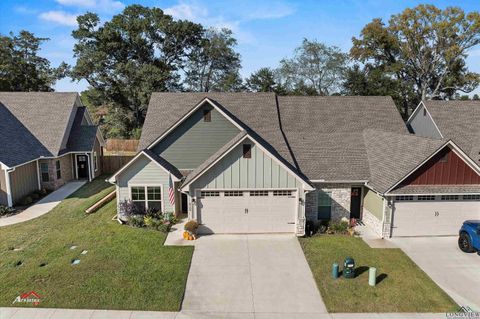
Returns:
(432,218)
(253,211)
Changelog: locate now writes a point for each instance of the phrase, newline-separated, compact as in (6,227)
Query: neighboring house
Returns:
(47,139)
(261,163)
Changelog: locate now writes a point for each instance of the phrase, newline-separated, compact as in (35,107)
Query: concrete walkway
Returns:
(48,313)
(261,275)
(372,239)
(44,205)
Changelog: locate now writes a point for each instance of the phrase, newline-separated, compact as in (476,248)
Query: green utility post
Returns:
(372,276)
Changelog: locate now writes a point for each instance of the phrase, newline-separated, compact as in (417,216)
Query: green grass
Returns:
(406,288)
(125,267)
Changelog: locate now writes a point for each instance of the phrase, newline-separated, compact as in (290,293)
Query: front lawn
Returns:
(124,268)
(403,287)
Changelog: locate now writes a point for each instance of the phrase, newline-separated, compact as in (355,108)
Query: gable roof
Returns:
(319,136)
(82,137)
(458,121)
(392,156)
(230,146)
(160,161)
(37,124)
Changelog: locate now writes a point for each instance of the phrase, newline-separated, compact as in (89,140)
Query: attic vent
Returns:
(207,116)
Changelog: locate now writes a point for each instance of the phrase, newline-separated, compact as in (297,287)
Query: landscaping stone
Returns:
(84,252)
(75,262)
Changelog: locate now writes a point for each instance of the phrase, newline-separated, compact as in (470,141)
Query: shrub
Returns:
(136,220)
(152,221)
(127,209)
(4,210)
(164,228)
(27,200)
(338,227)
(191,226)
(154,213)
(42,192)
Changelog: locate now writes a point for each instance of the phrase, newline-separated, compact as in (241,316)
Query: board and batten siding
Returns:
(233,172)
(373,203)
(422,124)
(23,181)
(143,172)
(3,189)
(194,141)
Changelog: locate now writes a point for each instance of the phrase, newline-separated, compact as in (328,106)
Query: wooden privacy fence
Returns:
(112,163)
(121,146)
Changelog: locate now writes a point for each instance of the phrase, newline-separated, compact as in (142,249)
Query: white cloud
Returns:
(273,11)
(60,17)
(187,11)
(103,5)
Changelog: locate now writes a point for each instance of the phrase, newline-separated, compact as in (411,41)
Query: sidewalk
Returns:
(49,313)
(43,206)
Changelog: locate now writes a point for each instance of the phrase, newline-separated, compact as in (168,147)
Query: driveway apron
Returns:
(251,274)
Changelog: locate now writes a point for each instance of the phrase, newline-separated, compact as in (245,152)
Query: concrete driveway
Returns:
(457,273)
(248,275)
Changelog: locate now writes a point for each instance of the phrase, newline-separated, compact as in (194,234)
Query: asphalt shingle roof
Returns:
(34,124)
(82,137)
(439,189)
(460,122)
(320,136)
(392,156)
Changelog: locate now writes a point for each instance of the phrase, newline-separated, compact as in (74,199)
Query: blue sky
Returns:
(267,31)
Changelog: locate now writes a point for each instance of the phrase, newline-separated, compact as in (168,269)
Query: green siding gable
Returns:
(194,141)
(143,172)
(373,203)
(234,171)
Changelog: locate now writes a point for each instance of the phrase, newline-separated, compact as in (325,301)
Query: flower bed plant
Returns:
(150,218)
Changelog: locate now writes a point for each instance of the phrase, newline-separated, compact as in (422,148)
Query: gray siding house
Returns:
(47,140)
(261,163)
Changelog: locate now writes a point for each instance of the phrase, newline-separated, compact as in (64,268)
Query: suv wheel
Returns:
(464,243)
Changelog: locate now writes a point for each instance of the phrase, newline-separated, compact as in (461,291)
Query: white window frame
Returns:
(145,186)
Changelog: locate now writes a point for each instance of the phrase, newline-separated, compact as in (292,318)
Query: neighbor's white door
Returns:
(247,211)
(435,218)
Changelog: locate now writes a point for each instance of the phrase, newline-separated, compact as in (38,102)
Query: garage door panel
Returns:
(259,213)
(435,218)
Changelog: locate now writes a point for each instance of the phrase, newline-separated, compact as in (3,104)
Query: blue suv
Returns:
(469,236)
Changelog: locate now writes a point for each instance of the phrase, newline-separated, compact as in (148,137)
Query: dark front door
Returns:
(355,202)
(184,203)
(82,166)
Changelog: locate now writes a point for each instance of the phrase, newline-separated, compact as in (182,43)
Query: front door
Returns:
(355,202)
(82,166)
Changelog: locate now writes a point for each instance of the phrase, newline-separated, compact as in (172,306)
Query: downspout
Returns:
(9,187)
(38,177)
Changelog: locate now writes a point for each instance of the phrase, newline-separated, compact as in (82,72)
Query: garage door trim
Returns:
(197,193)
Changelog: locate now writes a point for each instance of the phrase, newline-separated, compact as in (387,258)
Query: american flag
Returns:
(171,194)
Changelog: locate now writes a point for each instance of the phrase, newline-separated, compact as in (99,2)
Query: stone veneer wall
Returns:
(65,168)
(340,194)
(373,222)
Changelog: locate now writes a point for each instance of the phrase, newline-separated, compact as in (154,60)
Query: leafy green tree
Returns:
(22,69)
(214,65)
(424,49)
(314,69)
(262,80)
(372,81)
(138,51)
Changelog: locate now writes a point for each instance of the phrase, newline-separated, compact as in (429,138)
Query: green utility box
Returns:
(349,268)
